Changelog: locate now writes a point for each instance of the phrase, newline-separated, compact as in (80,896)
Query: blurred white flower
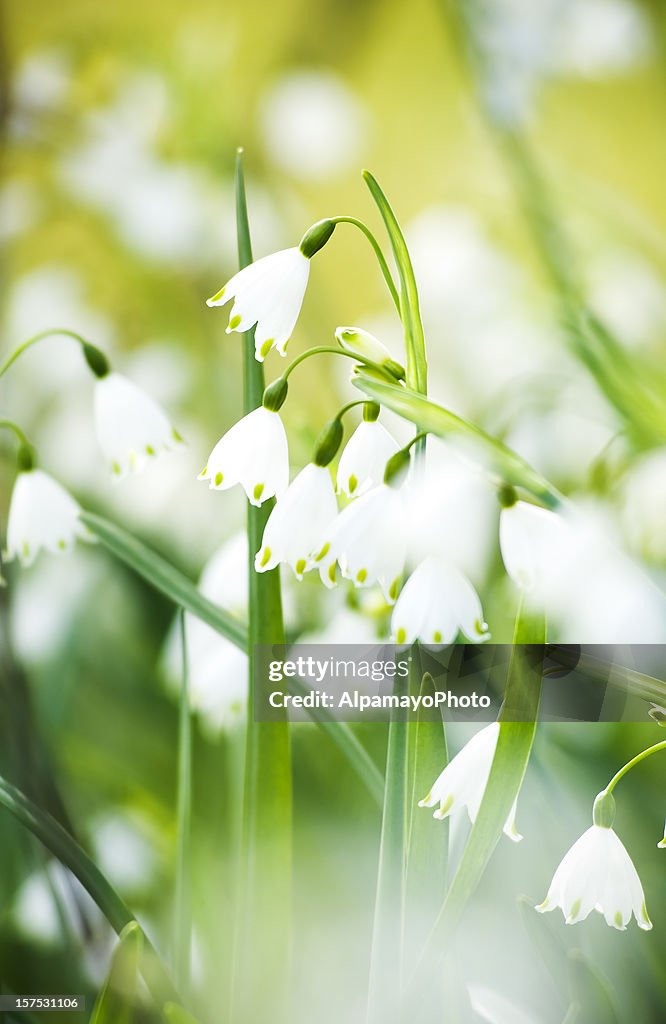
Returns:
(597,873)
(123,852)
(435,604)
(462,783)
(296,529)
(596,38)
(364,458)
(217,669)
(368,540)
(268,293)
(313,125)
(131,427)
(644,506)
(48,895)
(530,539)
(629,296)
(253,453)
(42,514)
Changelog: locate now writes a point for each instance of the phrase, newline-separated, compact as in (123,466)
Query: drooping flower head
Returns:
(435,604)
(253,453)
(296,529)
(269,293)
(364,458)
(530,539)
(131,427)
(598,874)
(463,782)
(42,514)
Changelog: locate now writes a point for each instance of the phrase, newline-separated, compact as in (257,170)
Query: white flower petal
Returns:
(436,603)
(296,529)
(42,514)
(368,540)
(131,427)
(364,458)
(529,540)
(253,453)
(268,293)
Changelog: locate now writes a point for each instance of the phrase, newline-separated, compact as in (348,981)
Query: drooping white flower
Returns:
(463,781)
(597,873)
(368,540)
(297,526)
(268,293)
(131,427)
(364,458)
(435,604)
(42,514)
(253,453)
(530,539)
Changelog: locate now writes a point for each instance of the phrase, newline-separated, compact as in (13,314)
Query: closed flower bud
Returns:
(316,237)
(275,394)
(365,345)
(328,443)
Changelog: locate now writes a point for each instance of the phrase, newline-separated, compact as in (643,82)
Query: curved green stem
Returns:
(16,430)
(333,351)
(51,332)
(383,265)
(632,764)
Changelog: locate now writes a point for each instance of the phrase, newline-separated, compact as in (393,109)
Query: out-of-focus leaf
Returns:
(117,1000)
(590,991)
(175,1014)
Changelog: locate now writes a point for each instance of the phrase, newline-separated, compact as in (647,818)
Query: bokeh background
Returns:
(119,129)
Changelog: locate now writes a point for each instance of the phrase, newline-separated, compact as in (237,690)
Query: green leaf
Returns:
(590,991)
(65,849)
(117,1000)
(164,577)
(175,1014)
(517,729)
(182,937)
(410,313)
(503,464)
(178,588)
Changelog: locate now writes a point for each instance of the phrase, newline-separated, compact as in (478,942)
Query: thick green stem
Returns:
(264,906)
(182,940)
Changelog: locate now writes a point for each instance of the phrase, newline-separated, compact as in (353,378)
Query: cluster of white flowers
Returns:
(131,429)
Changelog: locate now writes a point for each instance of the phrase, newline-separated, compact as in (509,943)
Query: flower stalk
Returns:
(263,910)
(182,945)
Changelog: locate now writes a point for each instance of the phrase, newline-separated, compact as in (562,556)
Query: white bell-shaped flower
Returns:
(297,526)
(530,542)
(131,427)
(253,453)
(364,458)
(362,343)
(368,540)
(597,873)
(435,604)
(462,783)
(268,293)
(42,514)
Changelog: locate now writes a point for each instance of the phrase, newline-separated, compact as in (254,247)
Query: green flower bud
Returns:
(603,813)
(371,411)
(316,237)
(328,442)
(275,394)
(366,346)
(96,360)
(397,467)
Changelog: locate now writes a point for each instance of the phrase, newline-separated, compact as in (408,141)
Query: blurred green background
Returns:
(119,130)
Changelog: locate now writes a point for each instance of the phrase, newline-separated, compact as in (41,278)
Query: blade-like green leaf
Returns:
(72,856)
(503,464)
(517,729)
(117,1000)
(174,1014)
(590,991)
(178,588)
